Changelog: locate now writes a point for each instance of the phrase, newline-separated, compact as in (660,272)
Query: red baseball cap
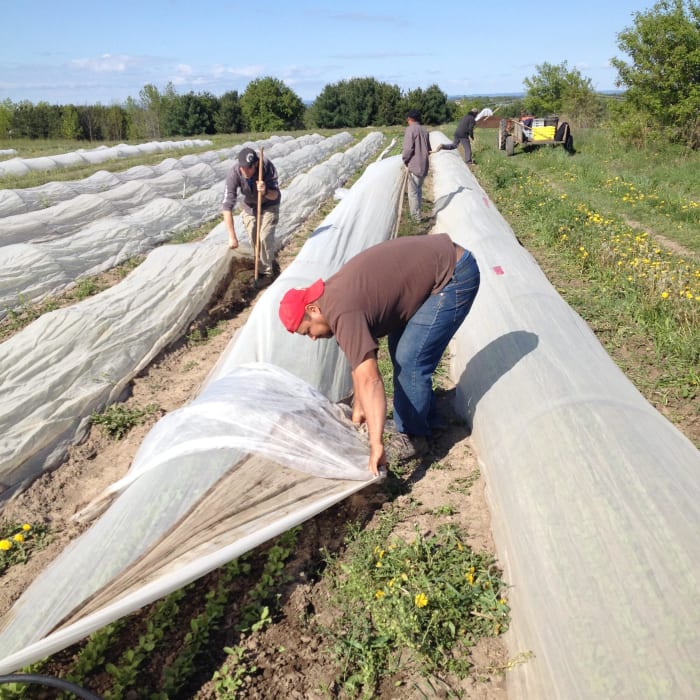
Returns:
(294,303)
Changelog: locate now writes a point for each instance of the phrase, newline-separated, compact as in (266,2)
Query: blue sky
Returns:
(102,51)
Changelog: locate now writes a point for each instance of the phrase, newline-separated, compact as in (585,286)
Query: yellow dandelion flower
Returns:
(421,600)
(404,577)
(379,595)
(470,578)
(26,527)
(664,295)
(5,545)
(378,565)
(19,537)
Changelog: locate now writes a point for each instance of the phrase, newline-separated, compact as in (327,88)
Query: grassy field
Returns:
(618,234)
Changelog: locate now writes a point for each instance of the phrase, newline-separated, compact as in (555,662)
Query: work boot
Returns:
(403,447)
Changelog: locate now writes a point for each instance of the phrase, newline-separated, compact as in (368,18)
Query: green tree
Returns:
(115,123)
(269,105)
(90,122)
(327,111)
(229,117)
(357,102)
(151,104)
(662,79)
(431,103)
(190,114)
(555,89)
(6,108)
(388,105)
(70,123)
(38,121)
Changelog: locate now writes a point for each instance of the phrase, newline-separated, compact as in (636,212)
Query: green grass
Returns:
(613,254)
(658,189)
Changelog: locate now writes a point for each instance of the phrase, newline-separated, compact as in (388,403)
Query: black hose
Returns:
(51,682)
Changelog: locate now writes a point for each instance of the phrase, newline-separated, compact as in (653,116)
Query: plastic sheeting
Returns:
(93,233)
(27,199)
(594,495)
(208,483)
(73,361)
(24,166)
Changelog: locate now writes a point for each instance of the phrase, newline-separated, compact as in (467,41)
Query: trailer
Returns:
(534,132)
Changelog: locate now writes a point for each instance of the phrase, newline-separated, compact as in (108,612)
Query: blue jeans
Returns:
(416,349)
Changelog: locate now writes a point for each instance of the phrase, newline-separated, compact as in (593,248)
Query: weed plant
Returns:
(431,596)
(18,541)
(117,420)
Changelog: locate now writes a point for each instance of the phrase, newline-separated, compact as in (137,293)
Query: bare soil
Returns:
(291,657)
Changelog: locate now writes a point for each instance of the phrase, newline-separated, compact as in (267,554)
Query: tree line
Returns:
(266,105)
(660,98)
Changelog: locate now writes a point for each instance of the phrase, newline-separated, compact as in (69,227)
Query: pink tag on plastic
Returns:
(498,270)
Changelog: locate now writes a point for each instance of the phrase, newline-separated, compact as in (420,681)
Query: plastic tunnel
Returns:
(242,461)
(594,495)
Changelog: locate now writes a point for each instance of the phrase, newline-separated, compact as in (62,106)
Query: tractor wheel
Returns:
(510,145)
(569,144)
(501,134)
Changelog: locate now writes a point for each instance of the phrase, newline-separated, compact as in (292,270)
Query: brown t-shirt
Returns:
(378,290)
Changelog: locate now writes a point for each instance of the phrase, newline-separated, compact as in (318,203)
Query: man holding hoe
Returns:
(263,193)
(416,290)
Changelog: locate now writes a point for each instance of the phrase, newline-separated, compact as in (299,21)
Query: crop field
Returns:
(617,232)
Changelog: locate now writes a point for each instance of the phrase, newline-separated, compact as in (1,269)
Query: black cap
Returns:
(413,114)
(247,158)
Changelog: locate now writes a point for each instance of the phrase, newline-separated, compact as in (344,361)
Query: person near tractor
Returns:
(417,290)
(464,134)
(244,177)
(415,154)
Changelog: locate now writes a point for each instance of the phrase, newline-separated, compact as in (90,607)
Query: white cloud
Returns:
(252,71)
(106,63)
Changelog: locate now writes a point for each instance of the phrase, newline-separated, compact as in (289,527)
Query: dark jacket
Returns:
(465,128)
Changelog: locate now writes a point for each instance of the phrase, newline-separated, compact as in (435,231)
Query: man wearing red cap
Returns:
(243,177)
(416,290)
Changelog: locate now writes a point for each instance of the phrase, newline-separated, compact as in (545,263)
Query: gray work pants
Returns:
(415,194)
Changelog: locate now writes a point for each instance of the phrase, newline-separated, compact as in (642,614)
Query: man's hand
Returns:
(377,458)
(261,186)
(370,405)
(232,241)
